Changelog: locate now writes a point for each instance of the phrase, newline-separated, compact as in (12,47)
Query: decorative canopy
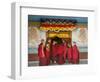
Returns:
(57,24)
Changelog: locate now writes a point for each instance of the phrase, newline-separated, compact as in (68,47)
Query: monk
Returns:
(49,43)
(60,53)
(65,49)
(70,53)
(41,55)
(75,53)
(47,53)
(54,52)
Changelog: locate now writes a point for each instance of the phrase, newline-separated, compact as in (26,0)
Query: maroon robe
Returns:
(47,54)
(65,51)
(54,53)
(42,58)
(75,54)
(70,54)
(60,52)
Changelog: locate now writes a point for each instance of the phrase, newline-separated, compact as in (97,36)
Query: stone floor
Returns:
(36,63)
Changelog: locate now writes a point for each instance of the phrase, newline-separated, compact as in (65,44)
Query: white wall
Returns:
(5,39)
(80,39)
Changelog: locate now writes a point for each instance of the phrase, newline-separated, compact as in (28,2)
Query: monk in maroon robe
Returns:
(42,57)
(49,42)
(60,52)
(54,52)
(70,53)
(75,54)
(47,54)
(65,49)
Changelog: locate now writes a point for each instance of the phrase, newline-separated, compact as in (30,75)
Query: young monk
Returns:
(49,42)
(61,53)
(70,53)
(54,52)
(65,48)
(75,53)
(47,53)
(41,55)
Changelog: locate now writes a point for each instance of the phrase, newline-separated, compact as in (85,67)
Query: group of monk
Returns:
(50,52)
